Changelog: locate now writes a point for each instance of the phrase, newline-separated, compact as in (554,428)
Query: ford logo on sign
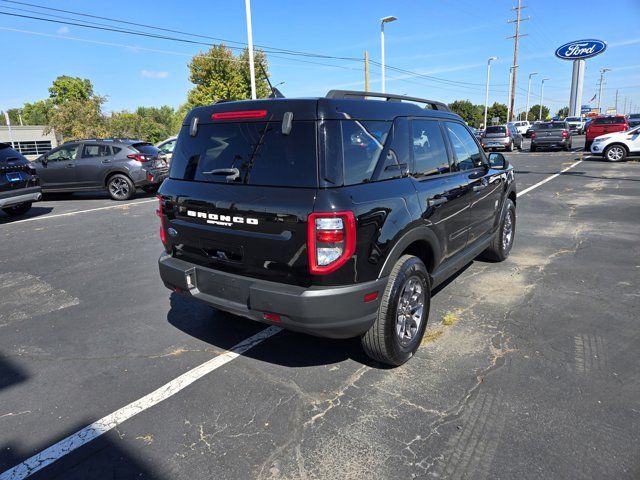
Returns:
(581,49)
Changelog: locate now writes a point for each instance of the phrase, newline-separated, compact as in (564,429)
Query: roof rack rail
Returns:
(390,97)
(106,139)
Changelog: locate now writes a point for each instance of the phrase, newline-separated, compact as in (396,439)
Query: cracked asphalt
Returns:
(529,369)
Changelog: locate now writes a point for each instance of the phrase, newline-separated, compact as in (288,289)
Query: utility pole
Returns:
(383,20)
(616,100)
(486,95)
(366,71)
(509,103)
(542,98)
(600,83)
(516,38)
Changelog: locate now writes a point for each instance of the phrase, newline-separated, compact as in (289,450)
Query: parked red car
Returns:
(604,124)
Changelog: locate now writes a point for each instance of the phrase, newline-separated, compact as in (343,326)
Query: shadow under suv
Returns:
(335,216)
(117,165)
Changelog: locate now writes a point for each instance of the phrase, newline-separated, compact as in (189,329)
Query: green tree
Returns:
(563,112)
(219,75)
(75,119)
(66,88)
(14,117)
(534,113)
(146,123)
(38,112)
(498,110)
(472,114)
(178,117)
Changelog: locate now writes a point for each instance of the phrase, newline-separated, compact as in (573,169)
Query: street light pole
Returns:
(541,97)
(529,92)
(252,72)
(384,20)
(602,72)
(509,112)
(486,94)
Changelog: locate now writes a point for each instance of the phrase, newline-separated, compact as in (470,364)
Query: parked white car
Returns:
(615,147)
(576,124)
(166,148)
(522,127)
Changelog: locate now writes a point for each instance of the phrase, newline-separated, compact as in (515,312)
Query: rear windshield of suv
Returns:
(572,119)
(496,130)
(146,148)
(608,121)
(260,152)
(550,125)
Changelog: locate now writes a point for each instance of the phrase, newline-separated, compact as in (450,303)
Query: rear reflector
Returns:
(272,317)
(370,297)
(241,114)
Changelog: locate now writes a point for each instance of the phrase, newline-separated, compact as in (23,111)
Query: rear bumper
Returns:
(23,195)
(543,142)
(333,312)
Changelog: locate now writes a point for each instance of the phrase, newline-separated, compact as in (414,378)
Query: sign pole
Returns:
(577,80)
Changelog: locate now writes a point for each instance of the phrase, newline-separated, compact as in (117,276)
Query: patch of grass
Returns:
(450,318)
(431,335)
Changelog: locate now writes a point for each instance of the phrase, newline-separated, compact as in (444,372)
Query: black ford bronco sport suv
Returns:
(333,216)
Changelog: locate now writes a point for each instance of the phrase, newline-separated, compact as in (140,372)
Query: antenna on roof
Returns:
(275,93)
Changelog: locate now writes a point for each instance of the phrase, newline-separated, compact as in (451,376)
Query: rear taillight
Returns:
(160,213)
(138,157)
(331,240)
(533,134)
(508,133)
(565,134)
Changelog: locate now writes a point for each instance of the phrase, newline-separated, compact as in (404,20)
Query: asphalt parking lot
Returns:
(529,368)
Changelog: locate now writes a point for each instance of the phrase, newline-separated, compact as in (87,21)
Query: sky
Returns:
(447,39)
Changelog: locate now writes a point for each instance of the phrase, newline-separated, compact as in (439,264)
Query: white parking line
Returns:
(45,217)
(548,179)
(102,426)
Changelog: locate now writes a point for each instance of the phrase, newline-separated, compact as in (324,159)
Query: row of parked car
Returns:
(117,165)
(613,136)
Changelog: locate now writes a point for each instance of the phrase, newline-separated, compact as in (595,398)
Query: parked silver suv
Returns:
(501,137)
(117,165)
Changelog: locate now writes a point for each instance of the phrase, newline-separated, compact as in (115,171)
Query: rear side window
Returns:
(429,151)
(362,144)
(95,150)
(464,146)
(260,152)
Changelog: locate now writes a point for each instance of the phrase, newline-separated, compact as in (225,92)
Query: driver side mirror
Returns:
(44,161)
(497,161)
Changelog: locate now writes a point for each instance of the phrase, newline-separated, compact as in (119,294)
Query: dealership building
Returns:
(30,140)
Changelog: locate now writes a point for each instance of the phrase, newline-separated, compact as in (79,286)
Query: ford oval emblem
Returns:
(581,49)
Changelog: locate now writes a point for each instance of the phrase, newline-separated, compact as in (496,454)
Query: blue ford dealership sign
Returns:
(581,49)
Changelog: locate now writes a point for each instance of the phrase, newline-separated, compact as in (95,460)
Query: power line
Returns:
(155,27)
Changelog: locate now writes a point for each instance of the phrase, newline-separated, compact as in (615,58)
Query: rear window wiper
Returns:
(231,173)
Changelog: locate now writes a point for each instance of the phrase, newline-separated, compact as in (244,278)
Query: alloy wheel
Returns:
(410,310)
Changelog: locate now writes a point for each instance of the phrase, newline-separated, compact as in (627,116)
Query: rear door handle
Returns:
(433,201)
(483,184)
(106,160)
(70,165)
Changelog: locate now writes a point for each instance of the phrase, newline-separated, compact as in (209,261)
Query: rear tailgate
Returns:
(550,132)
(238,196)
(15,170)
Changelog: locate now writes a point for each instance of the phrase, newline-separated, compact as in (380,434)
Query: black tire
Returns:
(499,249)
(520,147)
(381,342)
(120,187)
(17,210)
(587,146)
(615,153)
(151,188)
(532,148)
(510,147)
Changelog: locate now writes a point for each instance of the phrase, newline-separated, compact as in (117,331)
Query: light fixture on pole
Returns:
(602,72)
(384,20)
(509,112)
(528,92)
(541,97)
(486,95)
(252,71)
